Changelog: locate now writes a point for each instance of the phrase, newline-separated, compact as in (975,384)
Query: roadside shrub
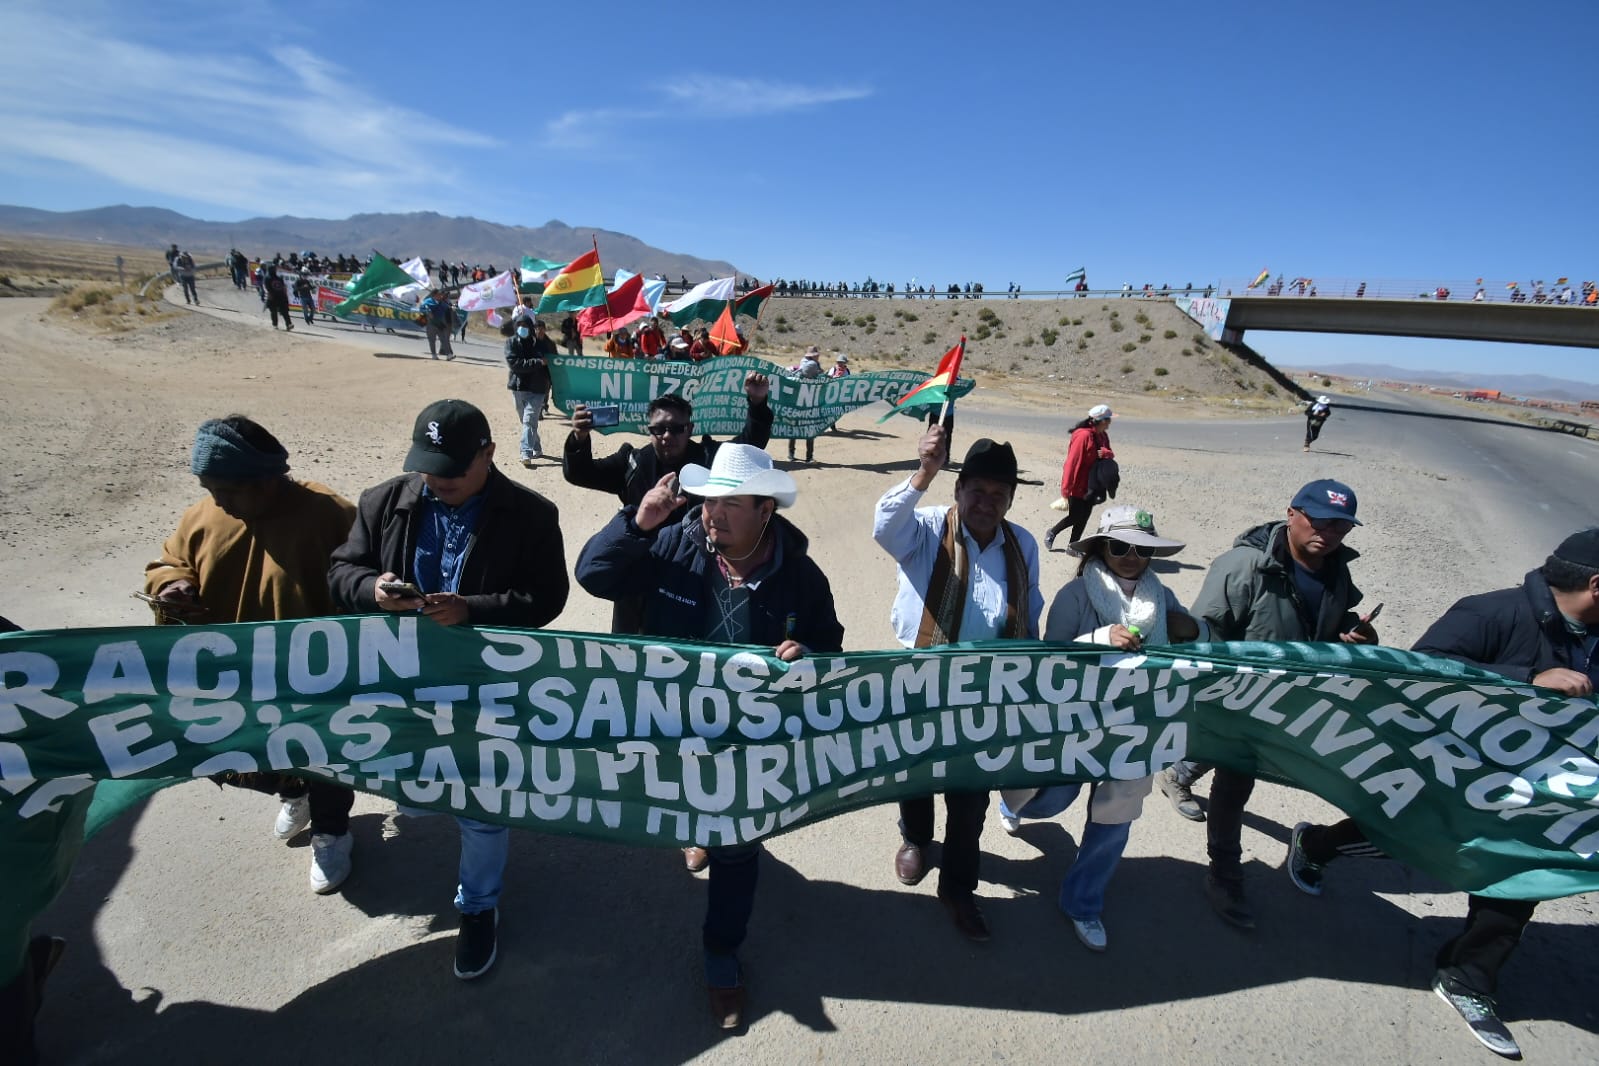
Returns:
(1161,371)
(871,328)
(1150,386)
(860,321)
(1077,321)
(1082,345)
(1143,338)
(1141,318)
(1128,368)
(930,336)
(1088,333)
(1115,314)
(1269,389)
(1048,336)
(1065,320)
(1170,334)
(1027,341)
(1129,347)
(1188,351)
(982,333)
(781,320)
(912,316)
(1116,326)
(1326,383)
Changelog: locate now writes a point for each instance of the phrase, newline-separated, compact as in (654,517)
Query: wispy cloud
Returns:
(286,131)
(699,98)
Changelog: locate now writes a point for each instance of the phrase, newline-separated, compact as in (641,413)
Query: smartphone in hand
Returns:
(606,414)
(401,588)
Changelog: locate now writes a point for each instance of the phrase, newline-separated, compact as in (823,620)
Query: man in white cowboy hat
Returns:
(965,573)
(733,571)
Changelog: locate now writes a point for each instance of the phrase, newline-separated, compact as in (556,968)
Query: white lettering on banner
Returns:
(39,674)
(118,669)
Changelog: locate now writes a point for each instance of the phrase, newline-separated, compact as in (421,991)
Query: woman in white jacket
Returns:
(1116,600)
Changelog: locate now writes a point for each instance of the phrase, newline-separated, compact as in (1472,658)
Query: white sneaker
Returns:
(293,816)
(1091,931)
(1010,823)
(330,861)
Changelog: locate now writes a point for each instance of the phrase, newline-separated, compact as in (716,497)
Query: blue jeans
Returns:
(484,849)
(1082,892)
(529,405)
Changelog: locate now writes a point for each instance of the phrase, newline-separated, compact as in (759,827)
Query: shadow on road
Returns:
(600,958)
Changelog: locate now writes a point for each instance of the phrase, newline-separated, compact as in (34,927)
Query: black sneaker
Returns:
(1481,1014)
(1305,875)
(475,945)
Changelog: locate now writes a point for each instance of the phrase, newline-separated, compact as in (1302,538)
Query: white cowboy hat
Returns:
(739,470)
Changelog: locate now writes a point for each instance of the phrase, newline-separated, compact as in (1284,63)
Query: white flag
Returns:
(498,291)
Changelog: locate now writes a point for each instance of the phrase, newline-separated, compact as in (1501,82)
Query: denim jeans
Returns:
(529,405)
(484,849)
(1099,851)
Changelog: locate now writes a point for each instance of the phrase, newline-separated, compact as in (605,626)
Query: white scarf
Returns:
(1146,609)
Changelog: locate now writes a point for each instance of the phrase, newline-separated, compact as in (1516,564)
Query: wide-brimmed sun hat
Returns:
(1130,526)
(739,470)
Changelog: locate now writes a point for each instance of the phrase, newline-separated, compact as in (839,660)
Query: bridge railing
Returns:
(1493,290)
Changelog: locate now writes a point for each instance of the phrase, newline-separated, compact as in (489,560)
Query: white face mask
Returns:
(521,331)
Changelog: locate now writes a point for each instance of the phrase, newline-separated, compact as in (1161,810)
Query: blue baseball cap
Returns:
(1327,499)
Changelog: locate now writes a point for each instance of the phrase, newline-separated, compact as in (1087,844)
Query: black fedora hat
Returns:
(994,461)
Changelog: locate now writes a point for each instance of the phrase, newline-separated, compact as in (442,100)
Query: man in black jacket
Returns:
(630,472)
(1545,633)
(527,353)
(481,550)
(732,571)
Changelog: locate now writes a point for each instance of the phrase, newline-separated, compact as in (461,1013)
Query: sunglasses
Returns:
(669,429)
(1119,548)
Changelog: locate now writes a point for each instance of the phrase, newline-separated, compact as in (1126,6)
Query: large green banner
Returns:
(1485,784)
(802,408)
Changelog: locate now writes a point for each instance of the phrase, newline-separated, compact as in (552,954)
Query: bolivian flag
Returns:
(581,284)
(937,389)
(1260,279)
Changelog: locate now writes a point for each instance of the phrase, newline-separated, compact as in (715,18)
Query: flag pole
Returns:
(596,242)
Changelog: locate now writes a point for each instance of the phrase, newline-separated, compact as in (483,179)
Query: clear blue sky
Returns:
(945,141)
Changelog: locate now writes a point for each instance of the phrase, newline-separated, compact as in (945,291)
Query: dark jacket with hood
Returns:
(1517,633)
(1249,592)
(515,568)
(679,580)
(527,357)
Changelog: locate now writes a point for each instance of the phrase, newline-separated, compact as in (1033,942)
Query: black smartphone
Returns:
(605,414)
(401,588)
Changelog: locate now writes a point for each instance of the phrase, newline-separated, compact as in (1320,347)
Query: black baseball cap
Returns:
(447,437)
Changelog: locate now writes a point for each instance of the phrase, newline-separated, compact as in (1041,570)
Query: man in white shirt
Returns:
(964,574)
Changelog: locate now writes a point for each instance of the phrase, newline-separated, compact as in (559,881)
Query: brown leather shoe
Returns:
(967,916)
(909,866)
(696,859)
(727,1006)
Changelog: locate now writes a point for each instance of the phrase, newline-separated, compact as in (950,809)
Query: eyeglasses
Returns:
(1118,548)
(1327,525)
(668,429)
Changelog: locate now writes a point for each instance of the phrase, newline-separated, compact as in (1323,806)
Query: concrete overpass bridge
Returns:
(1406,309)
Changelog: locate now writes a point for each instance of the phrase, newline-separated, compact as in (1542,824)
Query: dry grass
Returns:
(41,266)
(110,308)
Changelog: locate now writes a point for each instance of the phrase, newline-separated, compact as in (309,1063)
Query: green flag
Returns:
(382,275)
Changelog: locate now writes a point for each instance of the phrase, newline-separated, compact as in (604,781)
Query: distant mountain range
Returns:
(424,233)
(1535,386)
